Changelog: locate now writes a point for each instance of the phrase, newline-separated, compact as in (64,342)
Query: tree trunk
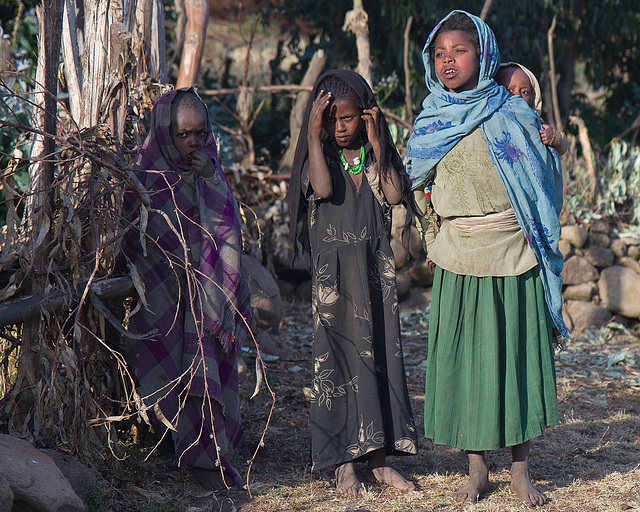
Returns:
(356,21)
(316,65)
(195,37)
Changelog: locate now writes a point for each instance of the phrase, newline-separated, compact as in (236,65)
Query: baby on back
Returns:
(519,81)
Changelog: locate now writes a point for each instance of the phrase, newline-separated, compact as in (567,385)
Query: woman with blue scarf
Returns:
(490,194)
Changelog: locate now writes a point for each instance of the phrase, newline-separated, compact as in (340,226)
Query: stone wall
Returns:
(601,276)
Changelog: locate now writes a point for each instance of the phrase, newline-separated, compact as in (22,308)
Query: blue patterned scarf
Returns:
(530,170)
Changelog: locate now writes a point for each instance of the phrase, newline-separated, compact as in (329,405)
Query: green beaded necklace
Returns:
(357,169)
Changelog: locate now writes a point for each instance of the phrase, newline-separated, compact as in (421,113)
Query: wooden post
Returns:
(195,37)
(356,21)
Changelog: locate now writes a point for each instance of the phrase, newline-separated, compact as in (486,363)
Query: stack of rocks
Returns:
(601,276)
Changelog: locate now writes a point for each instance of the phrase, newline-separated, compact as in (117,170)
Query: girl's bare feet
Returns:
(521,484)
(347,481)
(378,471)
(478,482)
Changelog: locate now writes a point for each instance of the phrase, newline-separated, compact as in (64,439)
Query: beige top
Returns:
(487,240)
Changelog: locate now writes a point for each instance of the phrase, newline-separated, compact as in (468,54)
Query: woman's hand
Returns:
(202,164)
(320,104)
(370,117)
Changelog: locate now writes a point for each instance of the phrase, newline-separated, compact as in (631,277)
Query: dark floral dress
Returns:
(359,398)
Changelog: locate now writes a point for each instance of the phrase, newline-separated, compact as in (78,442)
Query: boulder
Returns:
(585,315)
(6,495)
(583,292)
(303,290)
(403,285)
(266,344)
(421,274)
(599,239)
(400,254)
(629,263)
(575,235)
(599,256)
(578,270)
(83,480)
(633,251)
(618,247)
(34,478)
(565,248)
(265,294)
(619,289)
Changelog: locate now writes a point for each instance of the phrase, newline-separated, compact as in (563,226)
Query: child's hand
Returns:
(202,164)
(370,117)
(547,134)
(316,116)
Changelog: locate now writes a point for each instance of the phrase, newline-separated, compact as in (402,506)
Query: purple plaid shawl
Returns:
(188,256)
(215,224)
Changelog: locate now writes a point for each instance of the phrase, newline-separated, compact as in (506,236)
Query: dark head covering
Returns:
(388,153)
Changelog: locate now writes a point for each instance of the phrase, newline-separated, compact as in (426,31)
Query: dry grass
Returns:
(590,462)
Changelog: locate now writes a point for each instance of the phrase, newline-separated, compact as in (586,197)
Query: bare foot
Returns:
(212,479)
(478,482)
(522,487)
(347,481)
(378,471)
(391,477)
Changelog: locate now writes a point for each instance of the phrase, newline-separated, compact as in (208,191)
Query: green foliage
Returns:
(620,182)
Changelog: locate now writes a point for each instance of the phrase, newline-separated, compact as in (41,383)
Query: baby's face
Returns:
(518,84)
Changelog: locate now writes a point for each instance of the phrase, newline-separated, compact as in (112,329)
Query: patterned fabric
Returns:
(197,307)
(359,398)
(530,171)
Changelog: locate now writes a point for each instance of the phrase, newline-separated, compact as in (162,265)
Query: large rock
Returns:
(265,294)
(403,285)
(585,315)
(599,239)
(633,251)
(400,254)
(619,289)
(575,235)
(618,247)
(599,256)
(421,274)
(34,478)
(578,270)
(6,495)
(83,480)
(565,248)
(583,292)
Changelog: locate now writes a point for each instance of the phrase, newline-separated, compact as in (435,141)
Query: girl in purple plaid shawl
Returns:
(195,310)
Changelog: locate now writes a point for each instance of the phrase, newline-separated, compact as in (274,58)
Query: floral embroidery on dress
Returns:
(323,388)
(366,437)
(323,295)
(347,236)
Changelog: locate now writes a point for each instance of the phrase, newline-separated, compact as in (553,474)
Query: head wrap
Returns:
(530,170)
(388,153)
(534,84)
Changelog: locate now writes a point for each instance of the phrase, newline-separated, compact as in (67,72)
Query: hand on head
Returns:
(316,116)
(370,117)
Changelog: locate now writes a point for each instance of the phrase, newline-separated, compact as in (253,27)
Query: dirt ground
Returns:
(590,462)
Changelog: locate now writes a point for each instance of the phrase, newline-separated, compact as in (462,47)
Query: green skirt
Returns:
(491,378)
